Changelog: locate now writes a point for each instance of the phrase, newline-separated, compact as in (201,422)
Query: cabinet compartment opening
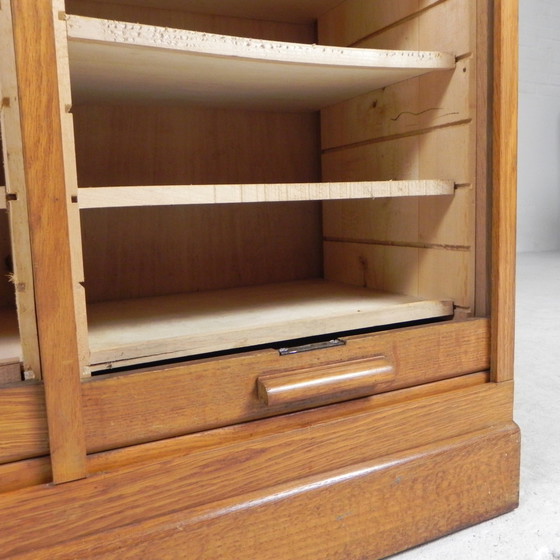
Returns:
(251,217)
(10,344)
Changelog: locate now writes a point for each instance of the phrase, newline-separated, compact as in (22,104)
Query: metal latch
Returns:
(310,347)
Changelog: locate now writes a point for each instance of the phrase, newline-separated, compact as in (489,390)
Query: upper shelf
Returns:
(125,61)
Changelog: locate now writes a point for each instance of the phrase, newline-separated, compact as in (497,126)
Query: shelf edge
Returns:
(174,195)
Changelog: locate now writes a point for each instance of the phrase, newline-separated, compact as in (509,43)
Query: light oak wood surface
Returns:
(287,10)
(19,282)
(182,325)
(470,467)
(126,409)
(21,474)
(204,477)
(337,450)
(49,232)
(111,197)
(228,71)
(10,344)
(358,378)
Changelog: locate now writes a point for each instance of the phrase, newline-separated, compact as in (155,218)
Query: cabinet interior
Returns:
(268,206)
(10,347)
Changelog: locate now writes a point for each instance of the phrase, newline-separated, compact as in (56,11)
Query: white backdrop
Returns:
(539,126)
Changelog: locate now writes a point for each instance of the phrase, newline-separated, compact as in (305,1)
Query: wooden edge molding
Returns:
(505,103)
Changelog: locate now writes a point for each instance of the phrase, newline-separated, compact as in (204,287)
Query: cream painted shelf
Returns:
(2,197)
(10,346)
(112,197)
(125,61)
(148,329)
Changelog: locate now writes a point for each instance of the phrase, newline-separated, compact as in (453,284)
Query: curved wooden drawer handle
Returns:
(357,378)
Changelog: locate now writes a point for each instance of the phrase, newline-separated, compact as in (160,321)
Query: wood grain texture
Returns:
(169,14)
(161,145)
(504,178)
(466,478)
(402,131)
(32,472)
(23,423)
(348,380)
(151,329)
(35,52)
(424,29)
(228,71)
(353,20)
(165,144)
(431,101)
(15,240)
(10,343)
(288,10)
(418,271)
(116,197)
(127,409)
(71,182)
(10,371)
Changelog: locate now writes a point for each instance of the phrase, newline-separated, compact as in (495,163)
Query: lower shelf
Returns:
(149,329)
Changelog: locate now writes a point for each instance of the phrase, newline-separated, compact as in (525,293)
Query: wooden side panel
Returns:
(10,371)
(371,508)
(407,270)
(420,128)
(17,212)
(504,187)
(44,168)
(353,20)
(129,409)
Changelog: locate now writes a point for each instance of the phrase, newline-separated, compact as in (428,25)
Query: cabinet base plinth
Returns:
(367,511)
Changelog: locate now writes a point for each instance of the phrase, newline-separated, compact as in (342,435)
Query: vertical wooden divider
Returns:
(47,200)
(506,15)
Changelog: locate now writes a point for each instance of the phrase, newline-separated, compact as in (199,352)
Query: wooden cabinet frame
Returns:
(205,466)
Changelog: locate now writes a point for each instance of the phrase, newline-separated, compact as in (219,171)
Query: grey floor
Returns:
(532,532)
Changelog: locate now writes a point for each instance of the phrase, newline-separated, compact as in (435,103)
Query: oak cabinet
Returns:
(258,295)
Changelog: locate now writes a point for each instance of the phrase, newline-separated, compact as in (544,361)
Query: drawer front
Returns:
(126,409)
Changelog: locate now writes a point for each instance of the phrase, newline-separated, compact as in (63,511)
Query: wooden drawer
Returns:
(126,409)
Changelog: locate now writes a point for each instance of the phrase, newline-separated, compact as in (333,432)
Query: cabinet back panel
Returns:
(165,16)
(422,128)
(6,288)
(136,252)
(165,145)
